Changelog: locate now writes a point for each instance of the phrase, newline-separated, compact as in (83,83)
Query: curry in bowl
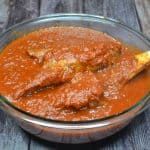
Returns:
(73,74)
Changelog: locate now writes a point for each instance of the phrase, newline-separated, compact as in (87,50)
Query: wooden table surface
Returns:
(134,13)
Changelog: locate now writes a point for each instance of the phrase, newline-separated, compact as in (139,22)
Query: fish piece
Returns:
(51,73)
(37,53)
(78,93)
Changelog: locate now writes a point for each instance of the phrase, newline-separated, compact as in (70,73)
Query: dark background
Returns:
(134,13)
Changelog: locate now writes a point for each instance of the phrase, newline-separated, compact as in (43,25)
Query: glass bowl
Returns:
(75,132)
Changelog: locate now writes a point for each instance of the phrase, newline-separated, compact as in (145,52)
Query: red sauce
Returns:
(71,73)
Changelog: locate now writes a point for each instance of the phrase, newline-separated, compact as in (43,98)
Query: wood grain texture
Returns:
(38,144)
(143,9)
(123,10)
(117,9)
(12,137)
(21,10)
(136,136)
(60,6)
(3,14)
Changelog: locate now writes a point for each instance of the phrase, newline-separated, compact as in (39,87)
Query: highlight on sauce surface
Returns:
(73,74)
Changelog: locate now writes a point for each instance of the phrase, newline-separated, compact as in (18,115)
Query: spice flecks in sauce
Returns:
(82,86)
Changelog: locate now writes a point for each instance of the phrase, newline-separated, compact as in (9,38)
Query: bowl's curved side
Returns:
(72,136)
(72,133)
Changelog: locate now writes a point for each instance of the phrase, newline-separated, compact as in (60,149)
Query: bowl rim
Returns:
(77,124)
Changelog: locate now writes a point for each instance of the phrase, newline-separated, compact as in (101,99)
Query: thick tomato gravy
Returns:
(71,74)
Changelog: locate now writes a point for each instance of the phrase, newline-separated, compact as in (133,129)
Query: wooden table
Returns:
(134,13)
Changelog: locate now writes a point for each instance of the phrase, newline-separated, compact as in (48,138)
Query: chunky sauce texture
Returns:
(71,74)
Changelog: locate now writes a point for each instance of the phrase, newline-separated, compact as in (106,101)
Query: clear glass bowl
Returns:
(75,132)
